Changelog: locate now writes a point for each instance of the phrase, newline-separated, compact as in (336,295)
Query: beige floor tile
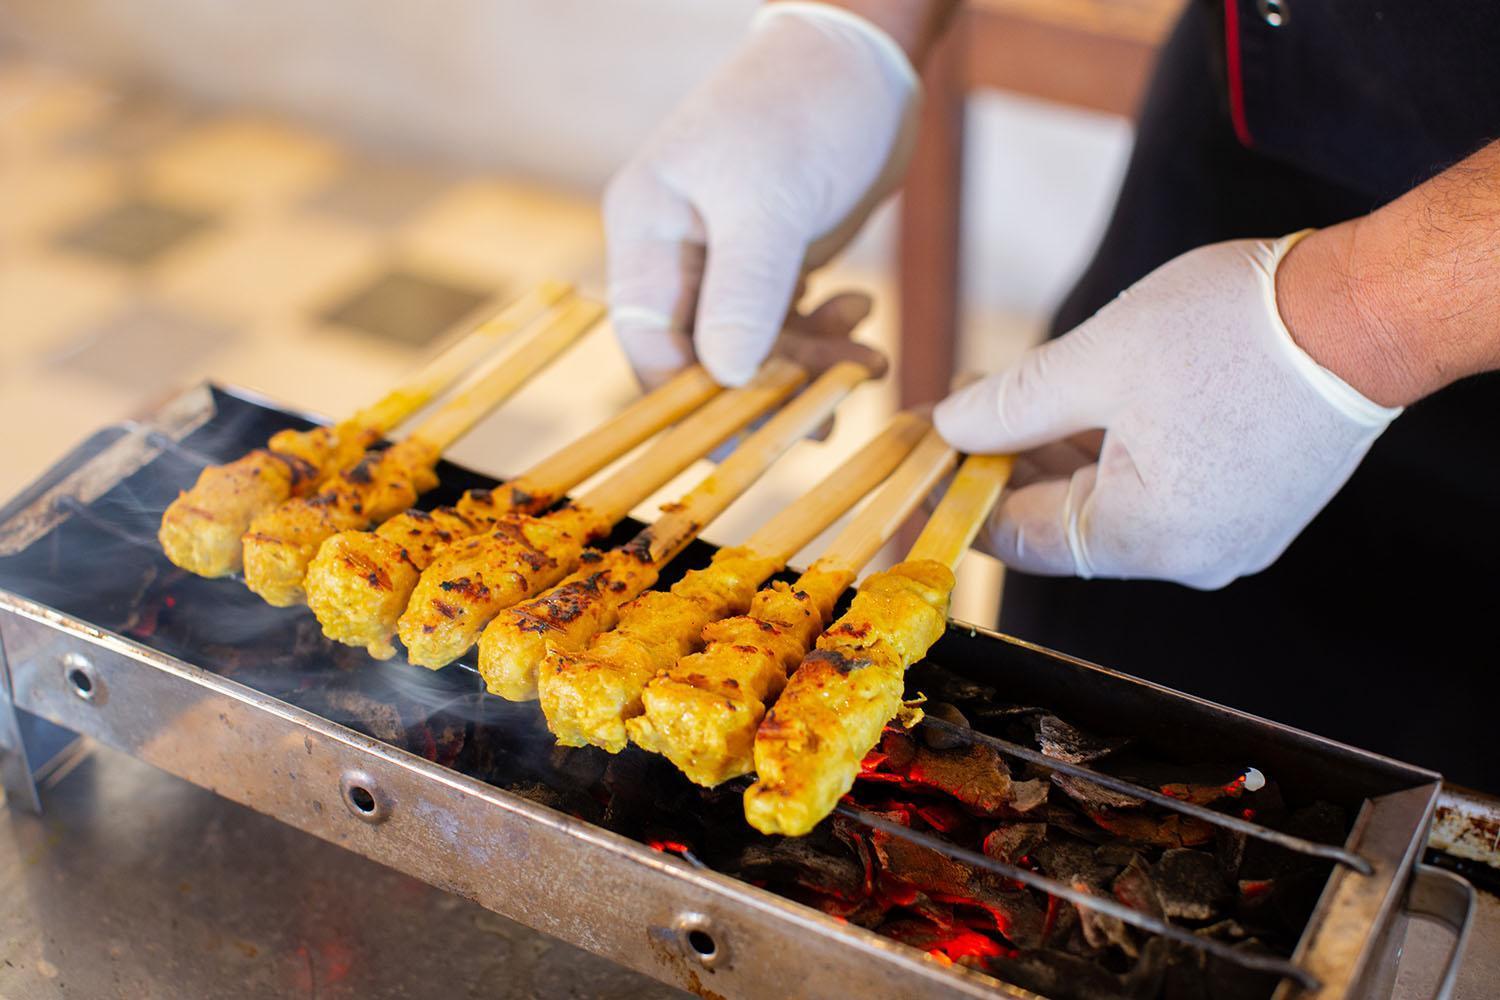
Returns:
(264,268)
(501,232)
(145,347)
(46,296)
(39,104)
(242,163)
(59,192)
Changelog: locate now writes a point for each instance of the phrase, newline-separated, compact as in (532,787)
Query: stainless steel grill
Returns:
(101,636)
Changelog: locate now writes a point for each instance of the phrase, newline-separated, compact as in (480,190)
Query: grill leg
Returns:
(27,745)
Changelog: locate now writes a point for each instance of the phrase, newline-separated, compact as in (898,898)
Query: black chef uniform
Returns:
(1380,625)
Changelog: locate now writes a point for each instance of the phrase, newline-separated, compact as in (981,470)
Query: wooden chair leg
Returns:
(929,238)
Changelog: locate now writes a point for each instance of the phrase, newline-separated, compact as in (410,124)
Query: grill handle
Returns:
(1440,895)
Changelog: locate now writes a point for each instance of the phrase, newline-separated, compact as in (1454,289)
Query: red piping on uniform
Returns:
(1236,77)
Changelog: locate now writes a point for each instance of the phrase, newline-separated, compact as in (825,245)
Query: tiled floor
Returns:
(146,244)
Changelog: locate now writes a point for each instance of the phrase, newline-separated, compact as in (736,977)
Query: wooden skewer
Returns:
(613,499)
(706,501)
(555,475)
(361,581)
(460,358)
(589,696)
(472,580)
(281,543)
(499,378)
(831,713)
(963,509)
(514,644)
(874,525)
(201,529)
(702,711)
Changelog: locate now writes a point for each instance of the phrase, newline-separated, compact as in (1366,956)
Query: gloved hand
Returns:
(765,171)
(1222,438)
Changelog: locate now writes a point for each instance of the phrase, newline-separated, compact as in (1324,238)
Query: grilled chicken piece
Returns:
(513,646)
(360,581)
(587,696)
(702,713)
(202,528)
(282,542)
(472,580)
(808,749)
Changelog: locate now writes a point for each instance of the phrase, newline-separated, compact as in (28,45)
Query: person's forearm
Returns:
(1406,300)
(915,25)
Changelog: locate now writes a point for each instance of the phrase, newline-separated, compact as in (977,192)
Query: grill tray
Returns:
(102,636)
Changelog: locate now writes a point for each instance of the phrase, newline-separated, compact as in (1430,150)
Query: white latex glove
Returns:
(764,171)
(1222,437)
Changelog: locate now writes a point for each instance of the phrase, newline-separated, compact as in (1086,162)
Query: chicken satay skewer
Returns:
(832,711)
(588,696)
(281,542)
(200,530)
(475,578)
(702,712)
(360,581)
(566,617)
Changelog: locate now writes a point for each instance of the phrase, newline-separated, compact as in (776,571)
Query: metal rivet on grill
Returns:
(700,940)
(363,797)
(1273,12)
(83,680)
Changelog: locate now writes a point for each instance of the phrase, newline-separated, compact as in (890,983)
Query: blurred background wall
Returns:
(561,91)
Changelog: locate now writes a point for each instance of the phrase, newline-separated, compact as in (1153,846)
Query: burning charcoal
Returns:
(922,867)
(1158,831)
(1069,860)
(1135,888)
(1017,913)
(1093,796)
(1057,974)
(977,776)
(1116,856)
(939,737)
(1101,930)
(1145,978)
(962,945)
(1064,819)
(1067,743)
(795,859)
(1027,795)
(1013,841)
(945,685)
(1190,883)
(899,749)
(1229,848)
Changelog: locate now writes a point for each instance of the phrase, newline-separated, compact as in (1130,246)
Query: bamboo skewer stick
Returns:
(590,696)
(702,712)
(473,579)
(831,713)
(361,581)
(200,531)
(515,643)
(280,543)
(434,378)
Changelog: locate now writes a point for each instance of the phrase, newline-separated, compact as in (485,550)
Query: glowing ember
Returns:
(968,944)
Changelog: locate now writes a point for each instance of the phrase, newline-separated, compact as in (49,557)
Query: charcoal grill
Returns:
(252,704)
